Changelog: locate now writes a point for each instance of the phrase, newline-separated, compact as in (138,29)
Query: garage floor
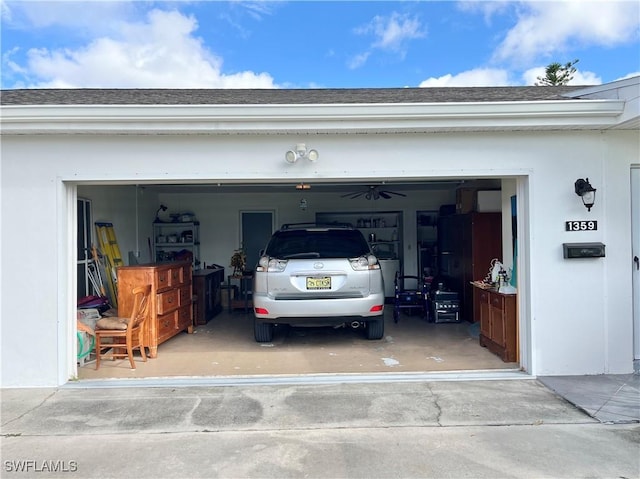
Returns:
(225,347)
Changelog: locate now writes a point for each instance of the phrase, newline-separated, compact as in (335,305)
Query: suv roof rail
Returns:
(336,224)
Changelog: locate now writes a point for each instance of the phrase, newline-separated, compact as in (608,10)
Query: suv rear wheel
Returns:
(375,329)
(262,331)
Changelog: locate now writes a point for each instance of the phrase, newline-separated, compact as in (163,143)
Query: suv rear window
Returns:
(323,243)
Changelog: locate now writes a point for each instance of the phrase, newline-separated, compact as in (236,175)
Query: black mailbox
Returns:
(583,250)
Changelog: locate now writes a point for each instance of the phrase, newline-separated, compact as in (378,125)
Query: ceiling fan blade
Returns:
(355,195)
(393,193)
(372,192)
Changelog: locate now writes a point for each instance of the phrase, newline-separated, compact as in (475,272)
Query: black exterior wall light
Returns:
(585,191)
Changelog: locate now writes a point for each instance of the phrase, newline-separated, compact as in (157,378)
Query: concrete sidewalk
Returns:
(408,429)
(611,398)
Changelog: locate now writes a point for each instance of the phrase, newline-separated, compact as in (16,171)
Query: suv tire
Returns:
(263,332)
(375,328)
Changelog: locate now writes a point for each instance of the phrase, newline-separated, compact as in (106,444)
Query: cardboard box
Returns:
(489,201)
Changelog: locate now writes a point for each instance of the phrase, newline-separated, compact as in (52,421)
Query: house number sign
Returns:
(582,225)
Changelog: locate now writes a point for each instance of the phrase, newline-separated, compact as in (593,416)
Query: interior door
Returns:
(257,227)
(635,253)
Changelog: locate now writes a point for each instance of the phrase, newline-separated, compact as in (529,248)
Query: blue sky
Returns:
(306,44)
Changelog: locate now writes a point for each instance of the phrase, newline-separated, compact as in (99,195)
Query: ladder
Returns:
(111,252)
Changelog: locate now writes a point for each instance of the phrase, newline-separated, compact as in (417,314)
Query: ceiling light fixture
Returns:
(300,151)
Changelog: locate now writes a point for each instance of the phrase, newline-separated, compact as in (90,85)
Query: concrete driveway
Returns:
(407,429)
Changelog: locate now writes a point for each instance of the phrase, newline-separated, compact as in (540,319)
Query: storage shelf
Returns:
(164,251)
(175,223)
(369,223)
(175,245)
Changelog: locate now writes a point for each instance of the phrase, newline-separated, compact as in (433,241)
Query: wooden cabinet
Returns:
(207,288)
(171,299)
(481,309)
(498,322)
(467,243)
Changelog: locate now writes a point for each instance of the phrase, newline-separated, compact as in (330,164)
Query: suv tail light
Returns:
(271,264)
(364,263)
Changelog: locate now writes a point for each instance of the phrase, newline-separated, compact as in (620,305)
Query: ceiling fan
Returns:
(372,192)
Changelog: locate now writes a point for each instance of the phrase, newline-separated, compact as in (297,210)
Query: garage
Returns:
(399,164)
(405,223)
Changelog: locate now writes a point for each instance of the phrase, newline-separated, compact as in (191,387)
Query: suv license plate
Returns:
(319,283)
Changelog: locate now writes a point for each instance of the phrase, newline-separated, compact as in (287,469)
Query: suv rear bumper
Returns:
(317,308)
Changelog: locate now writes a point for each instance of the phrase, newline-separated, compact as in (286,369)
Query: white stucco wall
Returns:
(577,314)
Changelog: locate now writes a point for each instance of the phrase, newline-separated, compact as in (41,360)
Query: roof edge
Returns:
(228,119)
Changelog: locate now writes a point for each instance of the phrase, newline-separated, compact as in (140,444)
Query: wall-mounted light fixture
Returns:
(303,186)
(300,151)
(585,191)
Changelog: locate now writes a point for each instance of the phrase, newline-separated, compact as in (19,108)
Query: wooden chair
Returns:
(124,334)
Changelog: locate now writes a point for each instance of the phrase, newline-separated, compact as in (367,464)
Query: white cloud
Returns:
(470,78)
(257,9)
(629,75)
(585,78)
(160,52)
(489,9)
(73,16)
(547,28)
(530,77)
(394,32)
(391,34)
(358,60)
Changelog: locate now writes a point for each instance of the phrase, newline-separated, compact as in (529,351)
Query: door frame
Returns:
(635,253)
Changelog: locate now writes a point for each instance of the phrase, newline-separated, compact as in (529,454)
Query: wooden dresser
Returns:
(171,291)
(498,322)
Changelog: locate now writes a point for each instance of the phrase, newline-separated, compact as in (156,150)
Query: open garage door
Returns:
(413,227)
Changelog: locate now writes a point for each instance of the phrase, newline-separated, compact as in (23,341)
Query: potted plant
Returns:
(238,262)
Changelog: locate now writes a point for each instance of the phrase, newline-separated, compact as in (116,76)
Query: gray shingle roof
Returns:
(84,96)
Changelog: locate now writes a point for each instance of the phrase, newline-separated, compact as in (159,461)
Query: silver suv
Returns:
(318,275)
